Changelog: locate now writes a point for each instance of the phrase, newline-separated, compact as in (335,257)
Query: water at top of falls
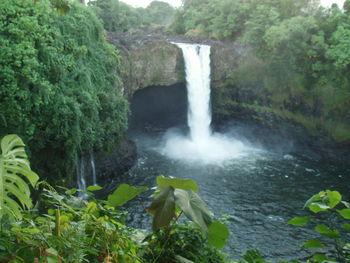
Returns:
(202,144)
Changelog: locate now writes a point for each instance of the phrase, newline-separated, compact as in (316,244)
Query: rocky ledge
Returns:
(150,59)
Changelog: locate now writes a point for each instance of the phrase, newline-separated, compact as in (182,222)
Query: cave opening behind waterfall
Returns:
(158,108)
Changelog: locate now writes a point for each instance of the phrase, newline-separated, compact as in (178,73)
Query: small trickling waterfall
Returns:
(81,180)
(202,144)
(93,168)
(86,171)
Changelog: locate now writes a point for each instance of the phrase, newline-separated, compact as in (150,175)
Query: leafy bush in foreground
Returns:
(334,246)
(66,228)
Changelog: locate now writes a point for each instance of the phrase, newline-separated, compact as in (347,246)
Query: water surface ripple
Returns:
(260,192)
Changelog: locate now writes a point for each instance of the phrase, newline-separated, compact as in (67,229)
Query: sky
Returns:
(328,3)
(145,3)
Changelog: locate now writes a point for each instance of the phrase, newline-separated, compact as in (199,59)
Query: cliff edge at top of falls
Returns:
(150,59)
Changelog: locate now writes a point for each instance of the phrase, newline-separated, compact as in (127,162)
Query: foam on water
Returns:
(218,148)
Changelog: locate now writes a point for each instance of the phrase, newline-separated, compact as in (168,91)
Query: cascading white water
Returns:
(86,173)
(93,168)
(81,180)
(202,144)
(197,59)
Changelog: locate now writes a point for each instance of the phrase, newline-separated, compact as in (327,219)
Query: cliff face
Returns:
(240,91)
(152,60)
(148,60)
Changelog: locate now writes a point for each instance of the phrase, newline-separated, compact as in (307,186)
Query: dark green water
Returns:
(259,191)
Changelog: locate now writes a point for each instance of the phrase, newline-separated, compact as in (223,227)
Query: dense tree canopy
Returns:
(58,78)
(118,16)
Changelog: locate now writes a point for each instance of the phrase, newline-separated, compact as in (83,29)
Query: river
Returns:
(259,192)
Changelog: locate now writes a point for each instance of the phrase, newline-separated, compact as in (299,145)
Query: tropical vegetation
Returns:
(59,82)
(294,63)
(62,227)
(120,17)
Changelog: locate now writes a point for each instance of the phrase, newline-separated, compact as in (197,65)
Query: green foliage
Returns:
(163,208)
(338,51)
(194,208)
(14,168)
(121,17)
(299,221)
(160,13)
(123,194)
(84,231)
(295,58)
(180,244)
(253,256)
(218,234)
(227,19)
(71,229)
(116,15)
(163,183)
(327,203)
(59,86)
(176,196)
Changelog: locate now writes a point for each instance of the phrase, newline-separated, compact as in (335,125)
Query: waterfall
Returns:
(197,66)
(201,144)
(86,172)
(93,168)
(81,180)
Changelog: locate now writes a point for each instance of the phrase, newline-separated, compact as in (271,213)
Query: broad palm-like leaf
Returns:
(194,208)
(14,172)
(163,208)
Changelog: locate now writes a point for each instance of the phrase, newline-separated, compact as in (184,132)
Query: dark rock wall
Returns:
(115,163)
(147,60)
(158,108)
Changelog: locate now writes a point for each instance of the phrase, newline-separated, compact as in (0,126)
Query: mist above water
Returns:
(201,144)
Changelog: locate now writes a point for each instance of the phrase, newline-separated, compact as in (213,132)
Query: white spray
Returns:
(202,145)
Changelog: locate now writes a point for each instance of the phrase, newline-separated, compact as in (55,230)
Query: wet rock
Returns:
(115,163)
(147,60)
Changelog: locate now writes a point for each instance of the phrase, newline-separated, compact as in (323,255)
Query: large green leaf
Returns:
(163,208)
(123,194)
(318,207)
(313,244)
(176,183)
(323,201)
(334,198)
(14,170)
(299,221)
(194,208)
(327,232)
(345,213)
(218,234)
(314,198)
